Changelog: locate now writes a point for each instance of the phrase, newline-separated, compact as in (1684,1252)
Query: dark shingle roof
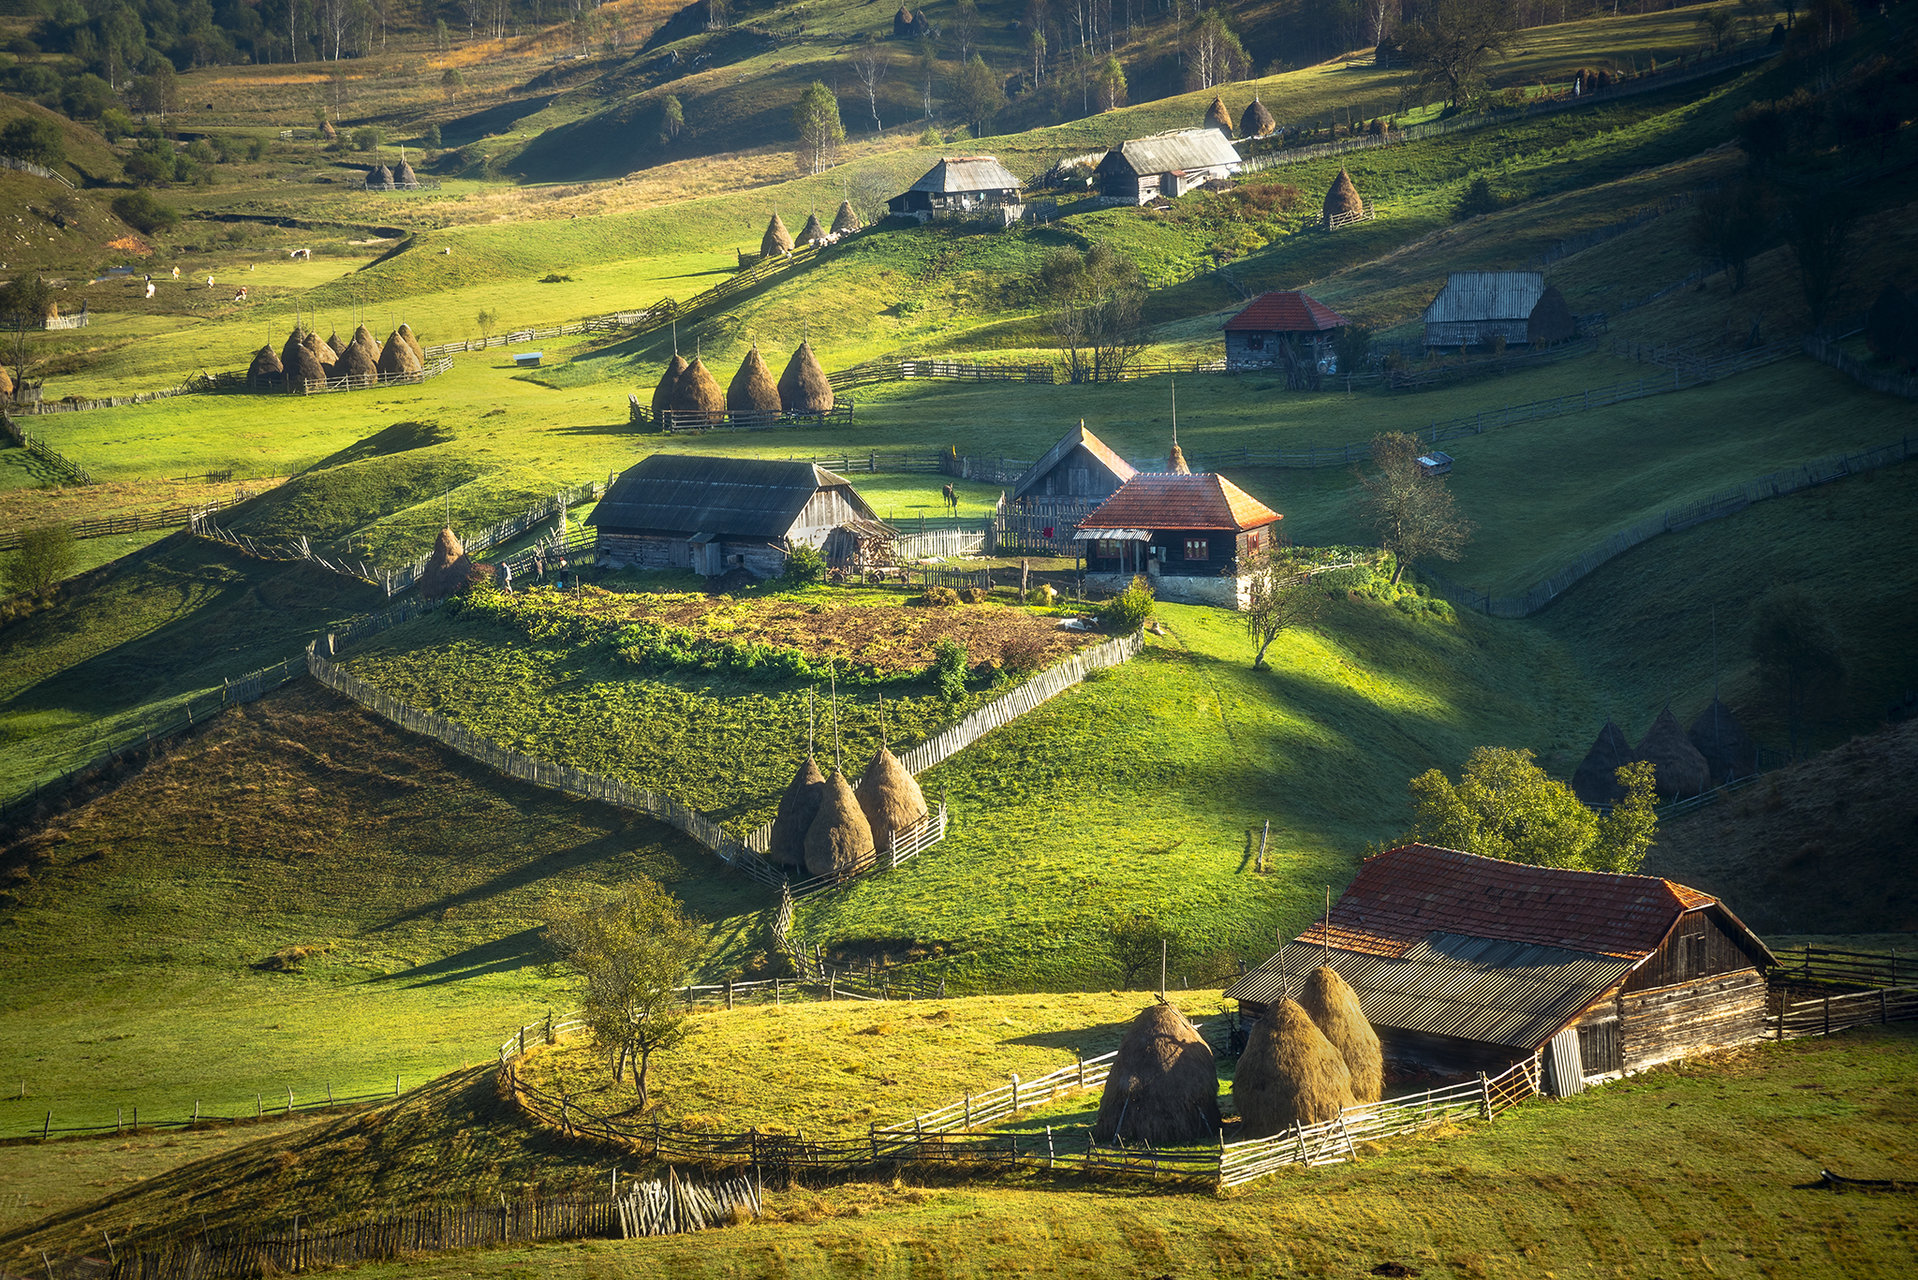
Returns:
(1285,311)
(727,497)
(1155,500)
(966,173)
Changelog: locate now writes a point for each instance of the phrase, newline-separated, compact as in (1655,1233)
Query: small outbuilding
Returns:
(1477,308)
(1080,466)
(1166,164)
(1192,536)
(963,186)
(1285,327)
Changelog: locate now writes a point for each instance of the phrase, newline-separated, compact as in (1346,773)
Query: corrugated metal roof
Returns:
(1285,311)
(1071,440)
(1165,500)
(1447,984)
(727,497)
(1486,295)
(1172,151)
(966,173)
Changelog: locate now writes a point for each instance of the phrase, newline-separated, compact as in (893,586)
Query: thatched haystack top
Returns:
(1164,1085)
(295,341)
(406,335)
(663,393)
(1595,781)
(1551,319)
(777,239)
(803,387)
(846,221)
(1328,999)
(1718,737)
(403,175)
(265,365)
(301,366)
(1219,116)
(1257,121)
(380,178)
(335,341)
(1289,1074)
(361,357)
(753,389)
(322,352)
(1175,462)
(812,232)
(1343,197)
(840,841)
(1678,768)
(798,806)
(890,798)
(397,358)
(449,570)
(697,391)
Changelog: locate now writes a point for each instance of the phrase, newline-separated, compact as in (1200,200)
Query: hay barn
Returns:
(1191,535)
(714,515)
(1477,307)
(1468,964)
(1261,333)
(1165,164)
(962,185)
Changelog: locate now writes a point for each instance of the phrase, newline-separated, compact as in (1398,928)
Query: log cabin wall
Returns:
(1689,1018)
(1698,946)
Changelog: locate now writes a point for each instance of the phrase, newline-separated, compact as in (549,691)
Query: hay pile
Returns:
(846,221)
(1551,319)
(890,798)
(1219,116)
(321,352)
(449,570)
(403,176)
(1595,781)
(336,344)
(1727,751)
(1257,121)
(803,387)
(361,357)
(840,841)
(406,335)
(1164,1086)
(294,341)
(1343,197)
(1175,463)
(777,239)
(1334,1009)
(797,809)
(663,393)
(697,391)
(397,358)
(1289,1074)
(379,179)
(6,379)
(753,389)
(1678,769)
(812,232)
(264,371)
(301,366)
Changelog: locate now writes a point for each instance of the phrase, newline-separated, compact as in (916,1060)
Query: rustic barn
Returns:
(1080,466)
(1191,535)
(714,515)
(1477,307)
(1466,964)
(1168,164)
(962,185)
(1284,326)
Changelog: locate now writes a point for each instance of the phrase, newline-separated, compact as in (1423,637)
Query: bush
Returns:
(1478,198)
(805,565)
(46,555)
(974,595)
(368,138)
(1128,611)
(141,211)
(34,140)
(948,669)
(432,135)
(940,596)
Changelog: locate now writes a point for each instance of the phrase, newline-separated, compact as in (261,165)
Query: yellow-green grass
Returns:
(418,881)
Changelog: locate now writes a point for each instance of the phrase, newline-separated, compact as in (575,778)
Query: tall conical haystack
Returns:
(294,342)
(1257,121)
(380,179)
(403,175)
(338,345)
(840,841)
(812,232)
(803,387)
(1595,781)
(265,370)
(1343,197)
(697,391)
(406,335)
(890,798)
(1717,736)
(449,570)
(777,239)
(846,221)
(361,357)
(6,379)
(301,366)
(1219,116)
(1175,463)
(1164,1087)
(397,359)
(1289,1074)
(1678,769)
(753,389)
(663,393)
(322,352)
(1334,1009)
(797,809)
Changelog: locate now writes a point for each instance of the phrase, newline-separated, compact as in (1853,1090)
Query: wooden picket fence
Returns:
(941,543)
(1849,968)
(1888,381)
(371,381)
(478,541)
(696,421)
(907,370)
(69,471)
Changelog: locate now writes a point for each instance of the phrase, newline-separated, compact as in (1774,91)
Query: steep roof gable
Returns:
(1174,150)
(967,173)
(1077,438)
(1486,295)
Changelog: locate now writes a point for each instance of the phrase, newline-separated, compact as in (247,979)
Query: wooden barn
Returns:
(1166,164)
(1282,325)
(1468,964)
(962,185)
(1477,307)
(1080,466)
(1191,535)
(715,515)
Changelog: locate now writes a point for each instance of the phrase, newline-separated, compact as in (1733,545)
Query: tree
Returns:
(1716,25)
(1452,40)
(672,119)
(1137,941)
(976,95)
(44,557)
(1729,226)
(964,26)
(869,67)
(1279,596)
(816,122)
(1214,54)
(157,92)
(630,956)
(25,301)
(1798,653)
(1353,344)
(1413,513)
(1111,81)
(1504,806)
(139,210)
(451,83)
(486,320)
(1818,230)
(34,139)
(1096,300)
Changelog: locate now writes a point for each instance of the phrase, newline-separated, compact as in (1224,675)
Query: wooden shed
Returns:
(1468,964)
(1166,164)
(1080,466)
(714,515)
(1477,307)
(1283,326)
(1191,535)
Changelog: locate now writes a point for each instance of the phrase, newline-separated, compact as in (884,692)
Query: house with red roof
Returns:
(1192,536)
(1283,327)
(1465,964)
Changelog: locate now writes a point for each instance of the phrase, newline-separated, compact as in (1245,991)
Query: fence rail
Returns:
(940,543)
(37,170)
(1851,968)
(370,381)
(479,541)
(906,370)
(62,466)
(1886,380)
(1822,1015)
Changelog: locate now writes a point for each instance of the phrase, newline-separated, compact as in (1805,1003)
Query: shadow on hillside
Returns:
(502,955)
(1090,1041)
(401,437)
(480,124)
(599,849)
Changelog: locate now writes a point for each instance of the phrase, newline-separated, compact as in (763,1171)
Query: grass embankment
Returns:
(417,882)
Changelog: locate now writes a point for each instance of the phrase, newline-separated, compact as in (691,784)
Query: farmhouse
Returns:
(715,515)
(1477,308)
(1190,534)
(1080,466)
(1282,327)
(962,185)
(1466,964)
(1168,164)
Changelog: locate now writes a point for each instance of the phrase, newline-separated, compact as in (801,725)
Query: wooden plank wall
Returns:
(1690,1018)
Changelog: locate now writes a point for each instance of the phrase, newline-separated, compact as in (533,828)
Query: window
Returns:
(1110,550)
(1255,342)
(1197,549)
(1252,544)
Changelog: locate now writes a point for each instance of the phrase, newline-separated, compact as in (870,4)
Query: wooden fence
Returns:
(138,522)
(44,407)
(1886,380)
(1796,1016)
(876,371)
(942,543)
(1847,968)
(371,381)
(904,846)
(695,421)
(39,171)
(68,470)
(613,323)
(297,548)
(478,541)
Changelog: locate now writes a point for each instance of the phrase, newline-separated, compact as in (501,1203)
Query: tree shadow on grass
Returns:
(502,955)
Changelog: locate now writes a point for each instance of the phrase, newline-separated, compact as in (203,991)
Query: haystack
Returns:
(697,391)
(890,798)
(1678,769)
(361,357)
(1595,781)
(797,809)
(403,175)
(1175,463)
(1257,121)
(406,335)
(803,387)
(846,221)
(321,352)
(753,389)
(663,393)
(397,359)
(6,379)
(1164,1086)
(294,341)
(812,232)
(449,570)
(380,179)
(1219,116)
(777,239)
(1717,736)
(1289,1074)
(1343,197)
(840,841)
(337,344)
(1551,319)
(265,370)
(301,366)
(1334,1009)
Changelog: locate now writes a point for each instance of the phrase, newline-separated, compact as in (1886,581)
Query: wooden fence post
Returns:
(1485,1094)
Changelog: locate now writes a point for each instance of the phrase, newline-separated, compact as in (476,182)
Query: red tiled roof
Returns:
(1162,500)
(1403,895)
(1285,311)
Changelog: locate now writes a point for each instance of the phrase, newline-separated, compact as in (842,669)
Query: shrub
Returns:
(432,135)
(948,669)
(1128,611)
(805,565)
(1024,651)
(554,277)
(33,139)
(368,138)
(940,596)
(1044,594)
(1478,198)
(973,595)
(141,211)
